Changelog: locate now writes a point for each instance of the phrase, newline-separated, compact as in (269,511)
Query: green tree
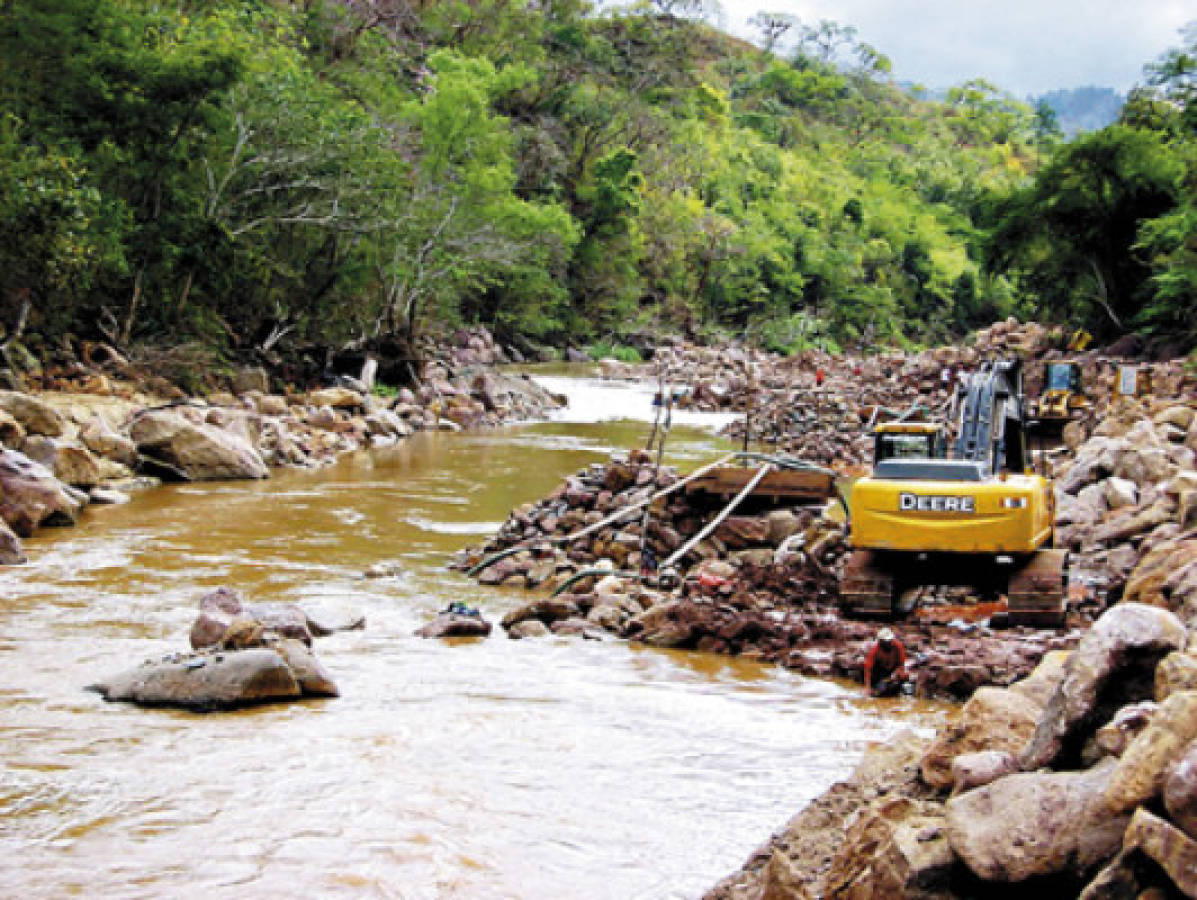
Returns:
(1071,233)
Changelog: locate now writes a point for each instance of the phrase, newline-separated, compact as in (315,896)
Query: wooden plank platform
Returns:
(788,484)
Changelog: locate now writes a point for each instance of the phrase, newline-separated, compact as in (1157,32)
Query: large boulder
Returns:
(70,461)
(449,624)
(195,452)
(1140,774)
(101,438)
(993,719)
(1112,666)
(205,682)
(1169,847)
(1159,573)
(1036,824)
(30,495)
(34,414)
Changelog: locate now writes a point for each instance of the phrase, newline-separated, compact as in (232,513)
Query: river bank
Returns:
(89,433)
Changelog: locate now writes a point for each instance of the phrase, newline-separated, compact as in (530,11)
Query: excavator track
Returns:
(867,588)
(1038,591)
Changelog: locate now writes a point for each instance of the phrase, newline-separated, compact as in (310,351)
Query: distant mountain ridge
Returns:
(1088,108)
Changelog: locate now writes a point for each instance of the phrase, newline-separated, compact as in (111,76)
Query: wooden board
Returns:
(793,484)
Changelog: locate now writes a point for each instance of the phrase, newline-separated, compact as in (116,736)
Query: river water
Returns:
(517,769)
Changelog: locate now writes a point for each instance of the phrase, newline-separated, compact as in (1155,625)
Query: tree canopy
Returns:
(261,175)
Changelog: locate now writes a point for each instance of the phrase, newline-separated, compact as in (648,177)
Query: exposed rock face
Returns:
(206,682)
(1114,664)
(196,452)
(30,495)
(1030,825)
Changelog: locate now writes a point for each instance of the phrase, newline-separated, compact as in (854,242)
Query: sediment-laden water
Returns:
(533,769)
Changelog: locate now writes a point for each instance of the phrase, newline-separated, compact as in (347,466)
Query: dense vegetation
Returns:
(258,175)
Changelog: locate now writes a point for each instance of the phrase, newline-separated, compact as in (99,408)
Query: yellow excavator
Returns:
(978,516)
(1061,398)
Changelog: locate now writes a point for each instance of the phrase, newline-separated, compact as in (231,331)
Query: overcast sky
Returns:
(1023,46)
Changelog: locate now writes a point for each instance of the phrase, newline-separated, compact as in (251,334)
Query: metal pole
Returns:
(715,523)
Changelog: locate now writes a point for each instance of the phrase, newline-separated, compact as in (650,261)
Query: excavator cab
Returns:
(908,440)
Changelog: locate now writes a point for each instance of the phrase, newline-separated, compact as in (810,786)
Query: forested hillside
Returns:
(257,176)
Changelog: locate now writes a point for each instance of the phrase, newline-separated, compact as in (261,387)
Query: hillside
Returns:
(260,178)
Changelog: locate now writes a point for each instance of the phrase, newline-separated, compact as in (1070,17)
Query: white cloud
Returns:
(1023,46)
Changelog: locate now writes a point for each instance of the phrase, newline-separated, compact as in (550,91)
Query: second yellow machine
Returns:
(980,516)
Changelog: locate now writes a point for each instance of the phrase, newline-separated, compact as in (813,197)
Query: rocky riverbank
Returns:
(92,428)
(1068,771)
(1076,781)
(764,584)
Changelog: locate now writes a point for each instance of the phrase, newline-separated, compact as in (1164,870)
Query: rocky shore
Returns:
(764,584)
(94,427)
(91,428)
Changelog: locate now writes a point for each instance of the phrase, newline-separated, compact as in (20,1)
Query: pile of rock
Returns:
(242,654)
(1079,780)
(761,586)
(1131,488)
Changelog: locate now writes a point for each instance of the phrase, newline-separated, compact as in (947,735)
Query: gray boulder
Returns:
(206,682)
(195,452)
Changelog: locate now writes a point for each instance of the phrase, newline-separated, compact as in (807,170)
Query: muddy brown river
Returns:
(517,769)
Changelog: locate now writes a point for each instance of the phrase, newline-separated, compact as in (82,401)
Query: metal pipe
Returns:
(718,520)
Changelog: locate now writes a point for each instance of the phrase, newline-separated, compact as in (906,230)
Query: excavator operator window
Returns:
(906,446)
(1062,377)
